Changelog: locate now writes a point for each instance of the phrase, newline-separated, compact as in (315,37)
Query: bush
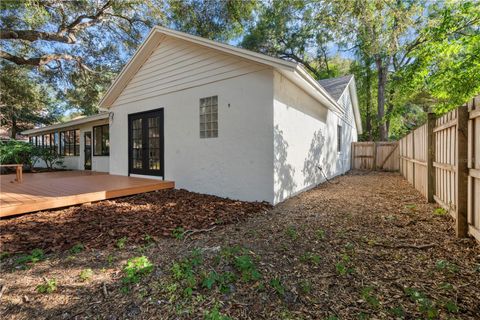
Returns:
(21,152)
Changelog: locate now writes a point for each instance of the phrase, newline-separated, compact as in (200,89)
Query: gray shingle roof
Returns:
(335,86)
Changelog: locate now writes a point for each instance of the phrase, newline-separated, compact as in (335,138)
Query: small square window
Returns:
(209,117)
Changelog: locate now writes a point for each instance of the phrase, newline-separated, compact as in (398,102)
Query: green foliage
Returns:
(292,232)
(446,266)
(451,306)
(277,286)
(306,286)
(26,99)
(343,267)
(121,242)
(35,256)
(247,268)
(397,312)
(425,305)
(77,248)
(50,157)
(320,234)
(369,297)
(135,269)
(48,286)
(214,314)
(311,258)
(178,233)
(86,275)
(18,152)
(183,272)
(440,212)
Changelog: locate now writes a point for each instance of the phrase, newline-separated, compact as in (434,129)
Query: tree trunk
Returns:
(382,81)
(13,133)
(368,88)
(390,107)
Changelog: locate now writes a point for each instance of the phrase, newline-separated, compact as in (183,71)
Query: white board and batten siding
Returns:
(237,164)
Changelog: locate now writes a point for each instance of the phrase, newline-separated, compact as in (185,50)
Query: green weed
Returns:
(305,286)
(310,258)
(35,256)
(214,314)
(4,255)
(451,306)
(440,212)
(425,305)
(247,268)
(76,249)
(369,297)
(446,266)
(135,269)
(277,285)
(320,234)
(178,233)
(48,286)
(121,242)
(86,275)
(343,266)
(292,233)
(397,312)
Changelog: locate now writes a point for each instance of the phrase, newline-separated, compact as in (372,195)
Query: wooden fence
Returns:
(442,160)
(375,156)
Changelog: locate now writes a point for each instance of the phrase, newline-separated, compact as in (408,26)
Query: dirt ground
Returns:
(365,246)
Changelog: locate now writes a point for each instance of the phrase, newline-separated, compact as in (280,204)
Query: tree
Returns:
(293,30)
(24,100)
(211,19)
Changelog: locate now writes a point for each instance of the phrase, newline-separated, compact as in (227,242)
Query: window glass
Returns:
(101,140)
(209,117)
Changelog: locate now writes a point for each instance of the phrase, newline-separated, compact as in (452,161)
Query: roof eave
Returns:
(67,124)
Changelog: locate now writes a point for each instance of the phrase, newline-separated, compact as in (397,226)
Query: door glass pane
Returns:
(154,143)
(137,144)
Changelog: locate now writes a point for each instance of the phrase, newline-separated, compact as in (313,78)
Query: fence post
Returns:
(374,164)
(430,157)
(462,172)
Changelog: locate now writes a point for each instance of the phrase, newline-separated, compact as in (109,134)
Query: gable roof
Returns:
(336,86)
(291,70)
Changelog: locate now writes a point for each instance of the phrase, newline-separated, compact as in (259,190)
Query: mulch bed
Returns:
(101,224)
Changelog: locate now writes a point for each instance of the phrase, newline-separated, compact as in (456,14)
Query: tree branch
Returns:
(44,60)
(33,35)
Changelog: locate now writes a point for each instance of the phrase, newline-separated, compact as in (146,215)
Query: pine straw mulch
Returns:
(363,247)
(101,224)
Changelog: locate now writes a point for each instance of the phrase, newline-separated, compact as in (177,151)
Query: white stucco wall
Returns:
(238,164)
(99,163)
(305,138)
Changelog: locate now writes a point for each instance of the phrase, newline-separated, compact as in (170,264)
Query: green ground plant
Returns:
(425,305)
(178,233)
(86,275)
(292,232)
(310,258)
(76,249)
(35,256)
(277,285)
(135,269)
(440,212)
(121,243)
(48,286)
(369,297)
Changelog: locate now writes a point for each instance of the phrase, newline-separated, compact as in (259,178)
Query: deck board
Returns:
(49,190)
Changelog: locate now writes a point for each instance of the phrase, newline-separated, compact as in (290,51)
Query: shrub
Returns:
(50,157)
(20,152)
(76,249)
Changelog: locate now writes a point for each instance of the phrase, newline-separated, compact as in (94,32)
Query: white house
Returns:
(222,120)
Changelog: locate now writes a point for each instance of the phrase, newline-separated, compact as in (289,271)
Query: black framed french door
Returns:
(146,143)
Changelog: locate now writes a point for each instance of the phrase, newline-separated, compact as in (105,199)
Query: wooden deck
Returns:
(41,191)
